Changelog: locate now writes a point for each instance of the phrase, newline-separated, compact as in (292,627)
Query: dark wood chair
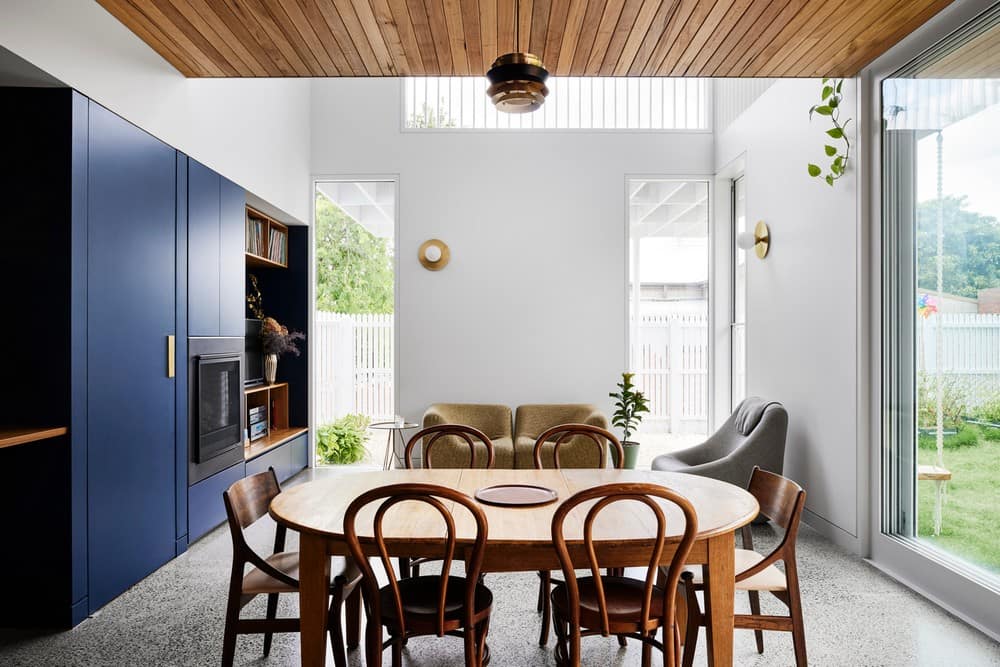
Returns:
(433,434)
(558,435)
(618,605)
(247,501)
(429,605)
(781,500)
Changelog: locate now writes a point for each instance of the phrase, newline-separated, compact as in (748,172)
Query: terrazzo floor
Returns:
(854,615)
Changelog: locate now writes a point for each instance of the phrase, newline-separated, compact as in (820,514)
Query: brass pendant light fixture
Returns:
(517,80)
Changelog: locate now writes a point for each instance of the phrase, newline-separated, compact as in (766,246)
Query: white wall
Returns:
(804,306)
(255,132)
(532,306)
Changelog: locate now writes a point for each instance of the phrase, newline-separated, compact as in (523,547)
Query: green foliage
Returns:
(971,258)
(990,434)
(989,411)
(966,436)
(342,441)
(427,118)
(830,107)
(629,406)
(354,272)
(954,404)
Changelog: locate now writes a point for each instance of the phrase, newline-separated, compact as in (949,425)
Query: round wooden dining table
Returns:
(519,538)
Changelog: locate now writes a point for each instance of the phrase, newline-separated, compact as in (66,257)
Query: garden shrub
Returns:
(342,441)
(966,436)
(954,403)
(989,411)
(989,433)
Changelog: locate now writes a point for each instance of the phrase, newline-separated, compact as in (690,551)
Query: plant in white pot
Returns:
(630,404)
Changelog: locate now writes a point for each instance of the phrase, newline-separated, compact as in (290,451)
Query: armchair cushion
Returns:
(533,420)
(493,420)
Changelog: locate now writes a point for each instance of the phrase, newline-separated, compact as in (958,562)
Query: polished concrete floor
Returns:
(854,615)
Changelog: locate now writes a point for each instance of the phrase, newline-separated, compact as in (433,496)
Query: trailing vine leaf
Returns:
(830,107)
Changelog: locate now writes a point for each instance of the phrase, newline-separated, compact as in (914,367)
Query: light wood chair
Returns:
(246,502)
(433,434)
(618,605)
(429,605)
(781,500)
(558,435)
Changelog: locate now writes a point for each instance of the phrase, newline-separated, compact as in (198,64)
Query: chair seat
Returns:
(669,463)
(420,597)
(769,579)
(258,582)
(624,601)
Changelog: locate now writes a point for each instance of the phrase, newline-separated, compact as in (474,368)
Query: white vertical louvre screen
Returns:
(574,103)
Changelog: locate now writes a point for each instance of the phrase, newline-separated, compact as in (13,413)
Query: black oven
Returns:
(215,405)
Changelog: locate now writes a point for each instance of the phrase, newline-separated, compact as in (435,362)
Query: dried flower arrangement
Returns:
(278,340)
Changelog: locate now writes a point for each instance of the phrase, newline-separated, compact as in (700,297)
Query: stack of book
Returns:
(258,422)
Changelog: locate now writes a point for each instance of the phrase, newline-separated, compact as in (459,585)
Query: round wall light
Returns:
(434,254)
(760,240)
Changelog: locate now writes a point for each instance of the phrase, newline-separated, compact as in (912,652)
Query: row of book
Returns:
(255,236)
(277,247)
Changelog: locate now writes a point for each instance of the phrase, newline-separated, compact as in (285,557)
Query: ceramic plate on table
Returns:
(516,495)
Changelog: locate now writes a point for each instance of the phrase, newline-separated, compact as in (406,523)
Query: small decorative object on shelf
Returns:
(629,407)
(277,340)
(255,301)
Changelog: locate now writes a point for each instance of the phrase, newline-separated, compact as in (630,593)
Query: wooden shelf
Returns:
(10,437)
(275,438)
(259,251)
(264,387)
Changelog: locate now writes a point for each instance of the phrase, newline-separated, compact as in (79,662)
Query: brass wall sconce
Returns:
(434,254)
(760,240)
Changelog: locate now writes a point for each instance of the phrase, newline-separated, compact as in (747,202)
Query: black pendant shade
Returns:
(517,83)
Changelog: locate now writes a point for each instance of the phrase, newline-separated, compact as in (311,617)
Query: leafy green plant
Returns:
(629,406)
(954,404)
(342,441)
(966,436)
(989,411)
(830,107)
(990,433)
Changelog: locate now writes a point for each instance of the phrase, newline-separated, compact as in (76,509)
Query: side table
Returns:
(395,430)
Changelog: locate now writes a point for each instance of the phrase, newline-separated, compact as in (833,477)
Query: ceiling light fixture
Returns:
(517,80)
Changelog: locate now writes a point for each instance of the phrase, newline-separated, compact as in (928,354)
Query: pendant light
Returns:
(517,80)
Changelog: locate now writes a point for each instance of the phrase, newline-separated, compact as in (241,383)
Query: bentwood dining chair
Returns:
(551,441)
(246,502)
(460,434)
(432,604)
(781,500)
(618,605)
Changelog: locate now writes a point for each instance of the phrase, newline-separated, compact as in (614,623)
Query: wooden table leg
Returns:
(314,586)
(720,584)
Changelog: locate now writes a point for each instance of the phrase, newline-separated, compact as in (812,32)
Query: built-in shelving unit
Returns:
(266,241)
(274,398)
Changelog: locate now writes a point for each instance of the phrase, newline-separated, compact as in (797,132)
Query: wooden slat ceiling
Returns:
(749,38)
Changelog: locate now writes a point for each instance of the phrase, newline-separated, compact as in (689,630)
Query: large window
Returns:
(668,310)
(599,103)
(941,154)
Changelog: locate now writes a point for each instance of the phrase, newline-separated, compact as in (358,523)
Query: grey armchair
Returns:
(754,435)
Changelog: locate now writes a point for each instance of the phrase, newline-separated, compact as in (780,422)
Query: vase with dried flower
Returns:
(276,341)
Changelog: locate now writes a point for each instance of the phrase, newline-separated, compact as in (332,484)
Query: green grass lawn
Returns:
(970,525)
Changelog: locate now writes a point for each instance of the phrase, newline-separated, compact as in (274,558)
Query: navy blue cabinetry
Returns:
(131,303)
(216,214)
(206,509)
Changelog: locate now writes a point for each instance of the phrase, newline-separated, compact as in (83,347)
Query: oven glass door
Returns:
(219,397)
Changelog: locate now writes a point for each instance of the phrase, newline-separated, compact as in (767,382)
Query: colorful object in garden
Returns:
(926,306)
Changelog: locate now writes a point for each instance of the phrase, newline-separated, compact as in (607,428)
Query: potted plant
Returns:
(343,441)
(630,405)
(277,340)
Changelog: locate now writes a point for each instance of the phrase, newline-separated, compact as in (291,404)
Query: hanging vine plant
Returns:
(830,107)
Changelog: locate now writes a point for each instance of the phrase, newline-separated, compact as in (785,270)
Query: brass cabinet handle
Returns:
(171,356)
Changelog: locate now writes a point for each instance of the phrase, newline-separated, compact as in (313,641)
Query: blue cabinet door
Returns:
(232,292)
(130,313)
(203,250)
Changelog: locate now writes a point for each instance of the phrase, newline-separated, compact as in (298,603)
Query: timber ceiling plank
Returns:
(749,42)
(649,10)
(151,34)
(630,10)
(766,38)
(472,25)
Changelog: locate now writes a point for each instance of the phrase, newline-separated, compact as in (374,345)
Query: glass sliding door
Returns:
(738,326)
(941,321)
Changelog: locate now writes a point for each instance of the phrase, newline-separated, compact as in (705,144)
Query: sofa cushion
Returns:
(533,420)
(452,451)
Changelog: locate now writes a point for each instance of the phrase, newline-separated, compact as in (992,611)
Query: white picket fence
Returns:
(354,362)
(970,354)
(670,360)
